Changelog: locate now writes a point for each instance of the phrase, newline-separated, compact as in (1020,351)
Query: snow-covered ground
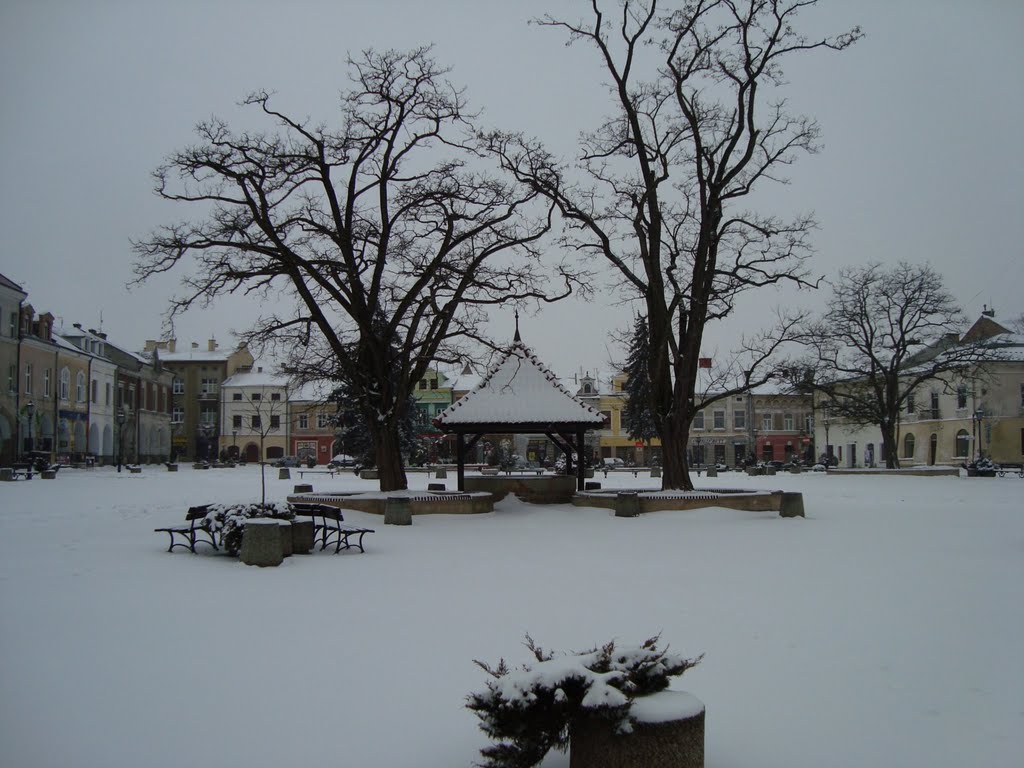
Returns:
(886,629)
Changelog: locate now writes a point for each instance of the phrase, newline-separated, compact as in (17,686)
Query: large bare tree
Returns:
(887,331)
(379,243)
(697,125)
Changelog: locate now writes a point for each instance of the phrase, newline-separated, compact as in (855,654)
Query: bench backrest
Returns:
(317,510)
(196,513)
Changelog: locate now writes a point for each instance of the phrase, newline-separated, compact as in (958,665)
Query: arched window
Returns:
(80,387)
(963,443)
(65,383)
(908,446)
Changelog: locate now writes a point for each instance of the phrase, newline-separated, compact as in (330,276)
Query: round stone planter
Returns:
(668,732)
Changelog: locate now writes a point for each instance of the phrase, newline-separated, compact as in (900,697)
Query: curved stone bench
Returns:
(420,503)
(668,732)
(545,489)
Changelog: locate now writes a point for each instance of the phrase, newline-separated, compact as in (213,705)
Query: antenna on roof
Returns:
(517,337)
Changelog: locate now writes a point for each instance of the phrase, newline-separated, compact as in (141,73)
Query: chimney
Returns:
(77,325)
(195,345)
(151,344)
(987,312)
(102,335)
(171,344)
(92,331)
(211,345)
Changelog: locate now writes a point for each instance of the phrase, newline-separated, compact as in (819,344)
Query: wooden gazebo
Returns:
(520,396)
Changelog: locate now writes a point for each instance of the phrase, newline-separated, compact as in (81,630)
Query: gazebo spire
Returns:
(517,337)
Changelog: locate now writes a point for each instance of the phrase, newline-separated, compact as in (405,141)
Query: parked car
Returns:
(342,460)
(721,467)
(287,461)
(612,462)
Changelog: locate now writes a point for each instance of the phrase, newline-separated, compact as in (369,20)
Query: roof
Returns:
(519,391)
(10,284)
(257,378)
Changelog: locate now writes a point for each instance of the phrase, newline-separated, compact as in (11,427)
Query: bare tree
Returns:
(383,235)
(658,189)
(886,332)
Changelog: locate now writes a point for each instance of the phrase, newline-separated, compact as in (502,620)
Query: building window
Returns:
(911,405)
(107,393)
(255,422)
(423,383)
(28,378)
(13,328)
(766,422)
(963,443)
(698,420)
(95,391)
(1022,395)
(961,397)
(433,383)
(46,383)
(208,416)
(236,396)
(236,421)
(719,419)
(256,396)
(131,396)
(935,405)
(208,387)
(739,419)
(322,420)
(275,421)
(12,378)
(275,396)
(178,386)
(80,387)
(177,415)
(908,446)
(787,422)
(303,422)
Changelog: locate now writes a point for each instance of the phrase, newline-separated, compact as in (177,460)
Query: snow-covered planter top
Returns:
(531,709)
(229,519)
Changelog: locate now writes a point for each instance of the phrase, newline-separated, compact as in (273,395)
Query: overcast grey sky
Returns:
(922,155)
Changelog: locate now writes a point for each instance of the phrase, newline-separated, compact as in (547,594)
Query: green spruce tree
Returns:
(636,415)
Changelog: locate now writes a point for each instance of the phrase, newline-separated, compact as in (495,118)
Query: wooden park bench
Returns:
(329,527)
(190,531)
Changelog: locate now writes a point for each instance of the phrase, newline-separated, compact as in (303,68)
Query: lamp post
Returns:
(828,446)
(234,446)
(979,414)
(121,417)
(698,454)
(30,411)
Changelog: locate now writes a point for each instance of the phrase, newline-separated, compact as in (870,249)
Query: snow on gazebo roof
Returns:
(519,390)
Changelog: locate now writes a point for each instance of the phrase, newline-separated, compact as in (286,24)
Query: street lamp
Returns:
(30,410)
(121,417)
(828,446)
(979,414)
(234,446)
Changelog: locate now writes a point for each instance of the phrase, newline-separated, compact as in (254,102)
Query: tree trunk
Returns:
(676,470)
(892,460)
(388,454)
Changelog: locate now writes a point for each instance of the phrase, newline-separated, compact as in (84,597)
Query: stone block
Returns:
(303,488)
(441,474)
(655,471)
(627,504)
(261,542)
(50,474)
(369,474)
(592,486)
(6,474)
(284,474)
(397,511)
(135,470)
(286,537)
(792,505)
(712,472)
(437,487)
(302,536)
(172,467)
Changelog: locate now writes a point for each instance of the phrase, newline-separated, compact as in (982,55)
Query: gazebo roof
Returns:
(519,393)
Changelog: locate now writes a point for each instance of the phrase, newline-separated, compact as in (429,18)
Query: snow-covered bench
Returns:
(329,526)
(190,531)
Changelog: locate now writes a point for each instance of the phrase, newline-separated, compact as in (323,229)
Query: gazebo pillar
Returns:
(581,464)
(460,458)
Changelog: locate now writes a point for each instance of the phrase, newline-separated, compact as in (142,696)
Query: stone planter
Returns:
(303,488)
(302,536)
(284,474)
(286,537)
(668,732)
(627,504)
(172,467)
(656,472)
(369,474)
(441,474)
(261,542)
(397,511)
(51,474)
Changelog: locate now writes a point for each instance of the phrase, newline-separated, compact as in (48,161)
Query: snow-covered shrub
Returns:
(228,520)
(529,710)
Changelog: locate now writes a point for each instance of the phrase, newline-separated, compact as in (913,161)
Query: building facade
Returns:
(255,411)
(12,297)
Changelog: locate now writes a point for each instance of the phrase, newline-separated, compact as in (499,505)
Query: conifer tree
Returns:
(636,414)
